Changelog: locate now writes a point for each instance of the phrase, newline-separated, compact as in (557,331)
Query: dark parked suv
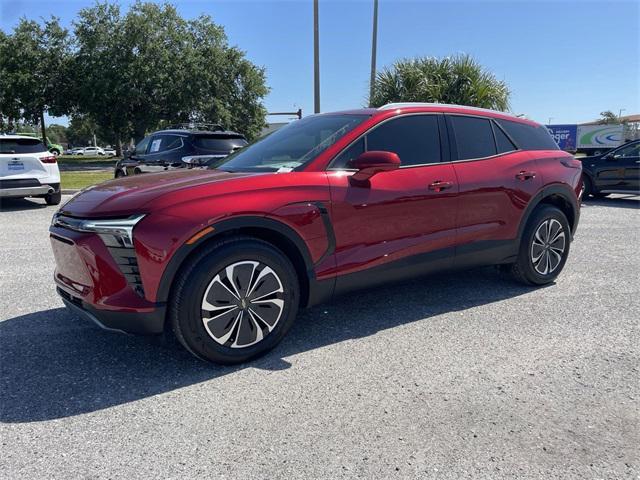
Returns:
(187,145)
(617,171)
(224,257)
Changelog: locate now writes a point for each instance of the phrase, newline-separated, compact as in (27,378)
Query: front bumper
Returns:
(145,323)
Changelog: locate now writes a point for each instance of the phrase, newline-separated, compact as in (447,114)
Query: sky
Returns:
(563,60)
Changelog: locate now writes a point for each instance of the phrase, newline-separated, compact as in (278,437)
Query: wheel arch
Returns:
(272,231)
(559,196)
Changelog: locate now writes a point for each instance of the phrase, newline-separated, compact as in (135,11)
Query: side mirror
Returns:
(609,157)
(370,163)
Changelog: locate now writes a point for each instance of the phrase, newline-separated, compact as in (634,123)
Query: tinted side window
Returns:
(354,151)
(474,137)
(502,141)
(169,142)
(219,143)
(529,137)
(414,138)
(141,147)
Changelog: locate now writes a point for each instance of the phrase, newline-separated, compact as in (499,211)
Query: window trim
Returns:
(453,140)
(330,168)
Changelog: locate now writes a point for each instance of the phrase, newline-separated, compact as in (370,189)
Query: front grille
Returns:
(20,183)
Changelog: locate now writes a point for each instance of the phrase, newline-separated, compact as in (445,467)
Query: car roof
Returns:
(188,131)
(437,107)
(17,137)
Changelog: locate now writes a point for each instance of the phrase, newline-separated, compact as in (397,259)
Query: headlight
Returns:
(115,232)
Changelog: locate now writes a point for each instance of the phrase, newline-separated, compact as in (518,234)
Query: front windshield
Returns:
(292,145)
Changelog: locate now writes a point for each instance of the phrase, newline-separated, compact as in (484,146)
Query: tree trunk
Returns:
(44,130)
(119,147)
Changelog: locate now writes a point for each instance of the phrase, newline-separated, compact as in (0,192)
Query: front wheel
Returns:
(544,247)
(235,300)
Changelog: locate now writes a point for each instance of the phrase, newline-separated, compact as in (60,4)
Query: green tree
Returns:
(82,129)
(608,117)
(150,66)
(459,80)
(34,66)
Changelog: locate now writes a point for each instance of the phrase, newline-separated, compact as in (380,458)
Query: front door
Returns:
(629,158)
(402,222)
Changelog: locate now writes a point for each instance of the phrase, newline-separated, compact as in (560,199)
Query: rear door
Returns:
(164,151)
(629,158)
(496,180)
(402,221)
(19,158)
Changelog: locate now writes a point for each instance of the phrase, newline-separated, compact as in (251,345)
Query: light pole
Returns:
(620,112)
(549,122)
(316,60)
(374,44)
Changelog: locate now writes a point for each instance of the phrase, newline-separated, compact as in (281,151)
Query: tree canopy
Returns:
(129,72)
(459,80)
(33,68)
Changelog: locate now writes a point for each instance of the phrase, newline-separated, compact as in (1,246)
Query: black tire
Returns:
(588,186)
(53,198)
(119,173)
(197,278)
(526,269)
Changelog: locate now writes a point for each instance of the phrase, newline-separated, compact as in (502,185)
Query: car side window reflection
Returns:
(141,147)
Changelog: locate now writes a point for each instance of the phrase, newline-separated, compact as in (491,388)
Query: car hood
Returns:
(128,195)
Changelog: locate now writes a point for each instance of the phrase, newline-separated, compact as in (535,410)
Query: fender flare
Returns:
(223,226)
(564,191)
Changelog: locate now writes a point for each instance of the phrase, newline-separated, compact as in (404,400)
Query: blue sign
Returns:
(565,136)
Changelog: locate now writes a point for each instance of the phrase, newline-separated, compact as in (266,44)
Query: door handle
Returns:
(523,175)
(438,185)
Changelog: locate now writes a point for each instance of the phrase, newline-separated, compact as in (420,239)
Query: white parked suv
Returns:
(28,169)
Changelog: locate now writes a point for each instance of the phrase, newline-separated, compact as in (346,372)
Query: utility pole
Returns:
(316,60)
(374,44)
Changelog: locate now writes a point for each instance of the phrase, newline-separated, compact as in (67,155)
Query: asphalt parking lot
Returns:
(464,375)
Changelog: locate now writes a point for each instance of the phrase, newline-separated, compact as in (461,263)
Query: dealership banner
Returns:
(600,136)
(564,135)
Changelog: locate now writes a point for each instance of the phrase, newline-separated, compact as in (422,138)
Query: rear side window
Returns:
(529,137)
(502,141)
(21,145)
(162,143)
(474,137)
(415,138)
(219,143)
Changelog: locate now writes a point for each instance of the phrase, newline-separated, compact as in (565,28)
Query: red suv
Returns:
(330,203)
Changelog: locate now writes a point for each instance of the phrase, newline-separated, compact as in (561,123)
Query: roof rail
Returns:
(391,106)
(214,127)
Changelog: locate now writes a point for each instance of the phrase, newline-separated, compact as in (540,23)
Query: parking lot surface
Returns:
(459,375)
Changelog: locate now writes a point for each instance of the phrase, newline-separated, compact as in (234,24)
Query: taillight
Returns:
(49,159)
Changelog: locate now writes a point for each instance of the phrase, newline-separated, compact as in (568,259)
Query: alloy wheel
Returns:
(548,246)
(242,304)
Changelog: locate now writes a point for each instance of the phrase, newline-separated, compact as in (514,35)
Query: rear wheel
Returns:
(53,198)
(119,173)
(234,301)
(544,247)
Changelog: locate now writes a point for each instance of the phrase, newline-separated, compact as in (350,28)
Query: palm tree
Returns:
(459,79)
